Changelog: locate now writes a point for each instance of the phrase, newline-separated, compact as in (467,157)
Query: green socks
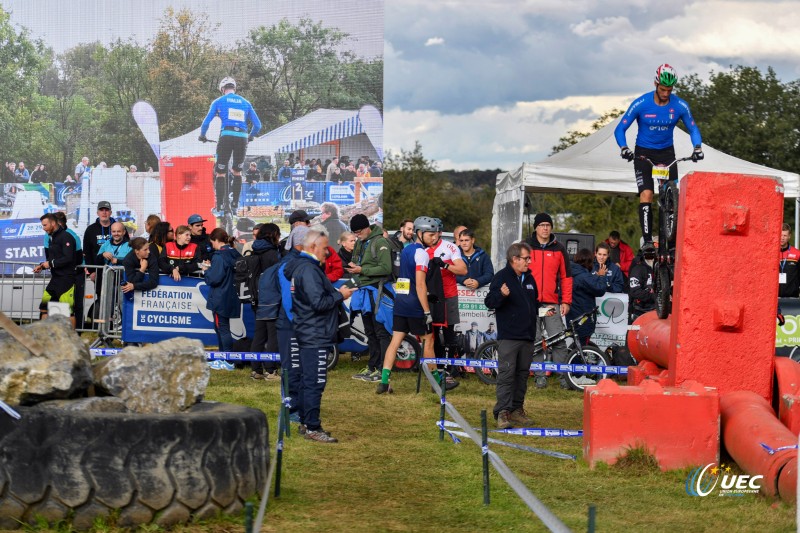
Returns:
(385,373)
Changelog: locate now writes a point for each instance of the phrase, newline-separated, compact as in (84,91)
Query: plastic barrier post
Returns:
(592,519)
(485,453)
(419,368)
(285,408)
(283,424)
(442,400)
(248,517)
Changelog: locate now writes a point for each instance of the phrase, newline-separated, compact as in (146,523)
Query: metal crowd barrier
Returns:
(97,311)
(21,290)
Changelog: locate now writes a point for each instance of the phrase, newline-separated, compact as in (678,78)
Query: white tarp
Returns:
(318,127)
(593,165)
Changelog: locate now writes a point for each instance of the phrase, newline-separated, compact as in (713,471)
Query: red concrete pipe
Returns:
(747,421)
(651,342)
(787,481)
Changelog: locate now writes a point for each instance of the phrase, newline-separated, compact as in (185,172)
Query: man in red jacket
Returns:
(620,253)
(551,270)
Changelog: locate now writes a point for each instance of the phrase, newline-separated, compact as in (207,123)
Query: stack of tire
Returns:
(57,464)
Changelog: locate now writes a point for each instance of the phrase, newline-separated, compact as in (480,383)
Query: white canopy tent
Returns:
(593,165)
(318,127)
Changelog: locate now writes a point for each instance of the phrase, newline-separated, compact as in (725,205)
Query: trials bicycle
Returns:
(577,355)
(664,267)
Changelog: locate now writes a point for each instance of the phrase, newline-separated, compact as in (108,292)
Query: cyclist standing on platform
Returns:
(656,113)
(235,112)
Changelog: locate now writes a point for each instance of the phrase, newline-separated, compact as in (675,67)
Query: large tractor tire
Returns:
(166,469)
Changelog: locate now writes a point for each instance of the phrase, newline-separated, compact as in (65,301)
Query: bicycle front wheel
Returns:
(487,351)
(591,358)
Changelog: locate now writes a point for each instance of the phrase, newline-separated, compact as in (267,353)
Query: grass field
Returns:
(390,472)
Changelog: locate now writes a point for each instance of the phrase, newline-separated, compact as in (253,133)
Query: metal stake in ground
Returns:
(419,367)
(592,518)
(20,335)
(485,454)
(442,400)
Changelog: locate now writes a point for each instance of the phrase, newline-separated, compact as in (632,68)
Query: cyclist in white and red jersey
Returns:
(447,256)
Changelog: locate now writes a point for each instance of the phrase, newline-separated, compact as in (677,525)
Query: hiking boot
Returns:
(449,384)
(256,376)
(361,375)
(320,436)
(541,382)
(519,417)
(272,376)
(384,387)
(373,376)
(503,421)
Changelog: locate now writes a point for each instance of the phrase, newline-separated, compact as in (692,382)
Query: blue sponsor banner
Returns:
(176,308)
(21,240)
(344,194)
(61,191)
(282,193)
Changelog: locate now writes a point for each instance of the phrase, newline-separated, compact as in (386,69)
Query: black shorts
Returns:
(414,325)
(644,170)
(227,145)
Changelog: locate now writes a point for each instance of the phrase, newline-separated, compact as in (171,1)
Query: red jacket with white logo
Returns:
(551,270)
(789,265)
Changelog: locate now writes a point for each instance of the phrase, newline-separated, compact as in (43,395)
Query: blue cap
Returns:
(194,219)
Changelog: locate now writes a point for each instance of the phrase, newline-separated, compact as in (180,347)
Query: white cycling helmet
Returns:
(226,81)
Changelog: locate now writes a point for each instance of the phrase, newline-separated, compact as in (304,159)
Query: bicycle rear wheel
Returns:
(408,355)
(662,280)
(332,357)
(487,351)
(591,358)
(669,213)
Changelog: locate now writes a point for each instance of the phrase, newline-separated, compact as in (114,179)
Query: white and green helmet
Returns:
(666,75)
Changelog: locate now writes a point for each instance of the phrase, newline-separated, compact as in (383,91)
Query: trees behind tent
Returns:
(57,108)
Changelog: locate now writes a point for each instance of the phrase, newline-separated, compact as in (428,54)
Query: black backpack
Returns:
(246,272)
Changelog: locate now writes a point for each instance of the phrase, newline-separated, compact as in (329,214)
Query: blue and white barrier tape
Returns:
(211,356)
(773,451)
(530,432)
(536,367)
(455,434)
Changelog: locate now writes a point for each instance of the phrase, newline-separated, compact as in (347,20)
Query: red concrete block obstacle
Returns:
(720,337)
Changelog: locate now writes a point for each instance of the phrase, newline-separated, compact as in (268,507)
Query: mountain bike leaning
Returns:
(589,355)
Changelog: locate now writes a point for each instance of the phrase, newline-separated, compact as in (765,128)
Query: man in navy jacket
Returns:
(316,320)
(479,265)
(514,297)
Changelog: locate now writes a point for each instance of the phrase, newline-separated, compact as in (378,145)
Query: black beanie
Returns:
(359,222)
(542,217)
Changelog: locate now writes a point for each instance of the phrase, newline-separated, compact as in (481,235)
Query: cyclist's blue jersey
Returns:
(413,258)
(656,122)
(234,111)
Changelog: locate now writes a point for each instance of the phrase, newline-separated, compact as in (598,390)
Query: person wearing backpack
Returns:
(265,335)
(371,267)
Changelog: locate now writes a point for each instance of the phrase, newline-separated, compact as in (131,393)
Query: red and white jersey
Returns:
(449,253)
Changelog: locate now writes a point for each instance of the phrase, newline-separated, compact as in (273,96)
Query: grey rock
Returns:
(63,371)
(167,377)
(95,404)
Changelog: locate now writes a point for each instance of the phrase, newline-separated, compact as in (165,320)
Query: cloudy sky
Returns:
(492,83)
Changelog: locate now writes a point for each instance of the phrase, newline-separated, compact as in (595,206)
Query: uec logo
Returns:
(703,480)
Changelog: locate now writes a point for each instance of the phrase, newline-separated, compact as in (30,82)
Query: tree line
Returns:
(55,108)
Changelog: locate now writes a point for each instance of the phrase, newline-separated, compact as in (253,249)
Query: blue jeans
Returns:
(222,325)
(314,366)
(290,362)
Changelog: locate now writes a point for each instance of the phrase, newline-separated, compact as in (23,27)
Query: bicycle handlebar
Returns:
(647,159)
(581,319)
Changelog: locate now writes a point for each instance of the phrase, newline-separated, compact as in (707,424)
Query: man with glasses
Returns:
(551,269)
(514,298)
(200,238)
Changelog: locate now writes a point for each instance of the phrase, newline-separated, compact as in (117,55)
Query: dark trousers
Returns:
(513,367)
(222,325)
(290,362)
(314,367)
(265,339)
(378,340)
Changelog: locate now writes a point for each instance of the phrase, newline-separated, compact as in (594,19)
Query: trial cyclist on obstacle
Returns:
(656,113)
(235,112)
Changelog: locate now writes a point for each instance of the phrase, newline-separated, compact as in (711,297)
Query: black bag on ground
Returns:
(620,356)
